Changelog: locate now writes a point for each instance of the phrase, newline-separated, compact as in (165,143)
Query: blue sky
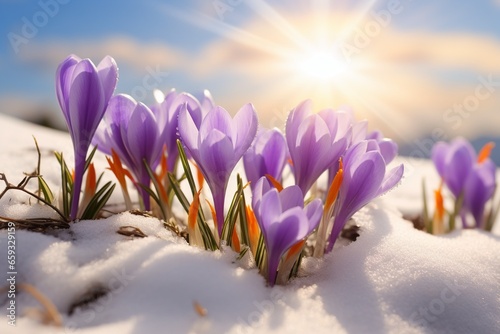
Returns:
(427,59)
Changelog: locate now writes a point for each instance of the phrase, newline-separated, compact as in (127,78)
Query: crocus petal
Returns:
(310,160)
(438,155)
(365,178)
(391,179)
(292,226)
(278,247)
(479,188)
(275,153)
(271,208)
(188,132)
(313,212)
(388,149)
(291,197)
(142,136)
(206,102)
(338,122)
(293,122)
(253,163)
(64,81)
(262,186)
(219,119)
(459,162)
(246,123)
(217,157)
(119,111)
(85,105)
(359,131)
(266,156)
(108,74)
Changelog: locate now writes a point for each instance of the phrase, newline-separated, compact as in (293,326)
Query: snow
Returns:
(393,279)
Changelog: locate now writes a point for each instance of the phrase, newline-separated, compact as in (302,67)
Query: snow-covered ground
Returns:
(393,279)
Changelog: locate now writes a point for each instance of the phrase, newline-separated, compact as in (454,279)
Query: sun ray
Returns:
(228,31)
(280,23)
(308,61)
(355,22)
(321,10)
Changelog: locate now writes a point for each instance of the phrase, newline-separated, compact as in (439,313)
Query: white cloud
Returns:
(125,50)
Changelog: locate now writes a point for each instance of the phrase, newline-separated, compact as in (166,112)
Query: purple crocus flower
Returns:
(130,128)
(479,188)
(364,179)
(466,175)
(453,162)
(283,220)
(315,141)
(267,155)
(83,91)
(217,146)
(167,114)
(387,147)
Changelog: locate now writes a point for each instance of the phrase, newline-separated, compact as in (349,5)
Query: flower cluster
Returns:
(331,166)
(471,180)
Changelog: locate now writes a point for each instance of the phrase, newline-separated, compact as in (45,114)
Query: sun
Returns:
(321,65)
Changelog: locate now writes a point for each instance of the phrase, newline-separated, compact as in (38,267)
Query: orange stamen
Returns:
(253,229)
(290,161)
(235,241)
(295,249)
(485,152)
(199,176)
(163,192)
(214,216)
(275,183)
(163,164)
(439,214)
(115,165)
(193,211)
(90,185)
(334,187)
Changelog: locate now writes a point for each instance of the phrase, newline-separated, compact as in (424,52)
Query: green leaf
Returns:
(456,210)
(233,213)
(45,190)
(38,168)
(89,159)
(150,192)
(493,214)
(157,196)
(296,266)
(260,253)
(98,201)
(185,166)
(66,183)
(64,167)
(178,192)
(245,239)
(242,253)
(208,237)
(427,221)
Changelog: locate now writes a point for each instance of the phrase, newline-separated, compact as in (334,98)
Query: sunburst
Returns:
(310,60)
